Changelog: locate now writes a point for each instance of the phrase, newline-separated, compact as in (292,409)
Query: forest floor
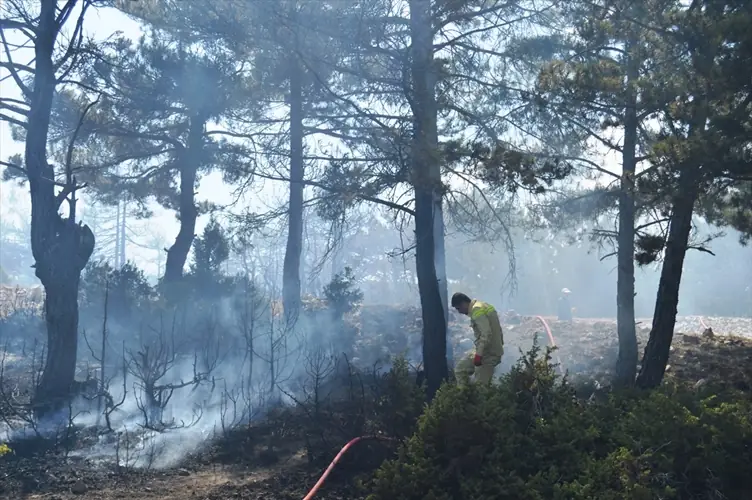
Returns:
(240,467)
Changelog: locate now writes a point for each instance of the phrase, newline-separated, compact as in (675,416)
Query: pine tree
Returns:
(61,245)
(166,100)
(609,78)
(697,155)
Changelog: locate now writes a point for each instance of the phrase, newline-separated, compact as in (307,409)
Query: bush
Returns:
(399,401)
(342,297)
(211,251)
(129,292)
(342,293)
(346,403)
(529,437)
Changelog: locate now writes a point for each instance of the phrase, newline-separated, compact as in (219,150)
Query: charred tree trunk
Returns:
(118,265)
(656,354)
(61,248)
(60,274)
(426,180)
(190,160)
(123,228)
(441,275)
(626,362)
(291,267)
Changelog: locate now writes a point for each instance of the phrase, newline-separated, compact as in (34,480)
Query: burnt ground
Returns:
(241,465)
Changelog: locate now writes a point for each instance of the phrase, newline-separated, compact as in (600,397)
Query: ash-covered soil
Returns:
(587,348)
(241,466)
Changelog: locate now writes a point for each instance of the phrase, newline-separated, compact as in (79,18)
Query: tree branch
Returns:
(12,120)
(700,249)
(364,197)
(128,134)
(11,66)
(13,166)
(70,181)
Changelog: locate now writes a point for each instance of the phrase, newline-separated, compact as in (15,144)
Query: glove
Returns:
(478,360)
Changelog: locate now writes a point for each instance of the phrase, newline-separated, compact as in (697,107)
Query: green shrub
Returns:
(400,401)
(342,293)
(529,437)
(350,403)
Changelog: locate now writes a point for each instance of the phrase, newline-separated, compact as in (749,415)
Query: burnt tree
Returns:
(61,247)
(426,180)
(291,288)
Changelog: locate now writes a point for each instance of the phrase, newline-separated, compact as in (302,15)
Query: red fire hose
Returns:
(551,340)
(352,442)
(341,453)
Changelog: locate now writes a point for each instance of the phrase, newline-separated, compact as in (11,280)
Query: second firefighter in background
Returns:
(489,340)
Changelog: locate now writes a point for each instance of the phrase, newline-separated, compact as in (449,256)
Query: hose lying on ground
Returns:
(354,441)
(551,340)
(341,453)
(704,325)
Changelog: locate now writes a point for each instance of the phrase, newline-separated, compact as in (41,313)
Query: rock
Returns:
(708,333)
(184,472)
(690,339)
(79,488)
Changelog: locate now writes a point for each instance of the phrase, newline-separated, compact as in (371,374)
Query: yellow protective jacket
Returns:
(489,339)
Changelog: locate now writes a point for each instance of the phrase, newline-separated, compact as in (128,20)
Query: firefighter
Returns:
(489,340)
(565,306)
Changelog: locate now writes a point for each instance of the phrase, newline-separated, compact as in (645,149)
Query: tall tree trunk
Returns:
(61,315)
(441,275)
(61,248)
(657,351)
(426,179)
(626,362)
(117,236)
(122,229)
(190,161)
(291,266)
(655,358)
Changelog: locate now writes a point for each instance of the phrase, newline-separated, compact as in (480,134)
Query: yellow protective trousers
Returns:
(484,373)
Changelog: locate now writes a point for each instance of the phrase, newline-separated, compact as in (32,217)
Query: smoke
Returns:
(228,357)
(194,415)
(178,378)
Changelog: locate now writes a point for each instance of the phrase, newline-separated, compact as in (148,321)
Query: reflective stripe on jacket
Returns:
(489,338)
